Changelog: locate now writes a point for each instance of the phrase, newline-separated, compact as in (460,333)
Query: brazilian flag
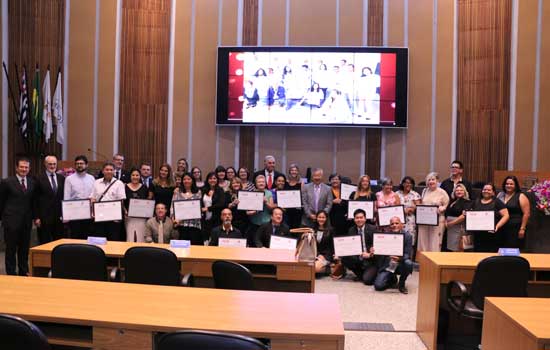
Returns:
(36,104)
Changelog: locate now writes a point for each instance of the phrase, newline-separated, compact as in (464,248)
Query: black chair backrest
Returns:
(202,340)
(500,276)
(18,334)
(230,275)
(151,265)
(79,261)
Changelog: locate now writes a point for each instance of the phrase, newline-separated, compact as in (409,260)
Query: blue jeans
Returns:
(385,278)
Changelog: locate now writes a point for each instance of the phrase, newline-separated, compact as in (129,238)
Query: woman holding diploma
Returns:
(294,183)
(258,218)
(213,200)
(410,199)
(339,211)
(386,197)
(454,217)
(189,230)
(163,187)
(429,237)
(364,193)
(519,209)
(135,227)
(240,219)
(488,241)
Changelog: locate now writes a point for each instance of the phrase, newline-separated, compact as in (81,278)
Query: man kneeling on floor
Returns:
(391,266)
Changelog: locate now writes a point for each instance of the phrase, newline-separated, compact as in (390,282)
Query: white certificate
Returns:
(346,191)
(251,201)
(480,220)
(108,211)
(427,215)
(141,208)
(388,244)
(76,210)
(232,242)
(367,206)
(187,209)
(347,246)
(279,242)
(289,199)
(386,213)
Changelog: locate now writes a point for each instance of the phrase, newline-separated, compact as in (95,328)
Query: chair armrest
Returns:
(50,274)
(114,275)
(463,295)
(188,280)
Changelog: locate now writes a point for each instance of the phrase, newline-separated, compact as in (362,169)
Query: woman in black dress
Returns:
(213,201)
(519,209)
(339,208)
(135,227)
(454,217)
(488,241)
(163,187)
(294,182)
(365,193)
(325,244)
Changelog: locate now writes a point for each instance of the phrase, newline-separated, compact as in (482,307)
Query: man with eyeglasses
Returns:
(79,186)
(457,170)
(119,173)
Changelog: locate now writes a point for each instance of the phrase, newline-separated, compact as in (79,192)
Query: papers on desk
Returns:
(388,244)
(250,201)
(367,206)
(76,210)
(187,209)
(346,191)
(347,246)
(279,242)
(289,199)
(427,215)
(141,208)
(386,213)
(108,211)
(480,220)
(232,242)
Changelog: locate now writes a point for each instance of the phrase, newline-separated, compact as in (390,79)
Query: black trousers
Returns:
(48,232)
(364,269)
(108,229)
(17,244)
(81,229)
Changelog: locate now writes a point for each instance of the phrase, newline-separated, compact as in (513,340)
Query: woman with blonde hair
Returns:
(455,217)
(429,237)
(163,187)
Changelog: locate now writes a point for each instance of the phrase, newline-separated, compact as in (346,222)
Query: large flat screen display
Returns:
(320,86)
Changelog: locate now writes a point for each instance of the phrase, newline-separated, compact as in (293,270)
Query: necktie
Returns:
(118,174)
(23,186)
(269,181)
(316,190)
(362,240)
(161,232)
(54,184)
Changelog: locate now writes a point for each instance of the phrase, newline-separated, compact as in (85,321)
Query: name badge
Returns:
(508,251)
(97,240)
(179,243)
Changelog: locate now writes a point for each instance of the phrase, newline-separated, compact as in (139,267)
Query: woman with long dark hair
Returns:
(188,229)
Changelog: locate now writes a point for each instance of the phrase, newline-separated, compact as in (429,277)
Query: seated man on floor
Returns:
(391,266)
(225,230)
(363,266)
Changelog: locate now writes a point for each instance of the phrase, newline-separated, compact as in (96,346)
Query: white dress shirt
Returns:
(115,192)
(78,186)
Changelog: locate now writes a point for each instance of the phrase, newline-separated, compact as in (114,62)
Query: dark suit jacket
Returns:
(263,235)
(148,183)
(124,176)
(262,172)
(16,205)
(367,235)
(407,252)
(218,232)
(48,203)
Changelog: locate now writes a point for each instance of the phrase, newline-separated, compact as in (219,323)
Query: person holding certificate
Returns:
(160,228)
(410,199)
(275,227)
(226,229)
(213,201)
(191,229)
(239,217)
(294,183)
(108,188)
(315,196)
(430,237)
(339,210)
(135,227)
(325,243)
(454,217)
(259,218)
(489,241)
(79,186)
(391,266)
(364,193)
(386,197)
(519,209)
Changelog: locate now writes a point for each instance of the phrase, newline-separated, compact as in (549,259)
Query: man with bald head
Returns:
(226,229)
(49,191)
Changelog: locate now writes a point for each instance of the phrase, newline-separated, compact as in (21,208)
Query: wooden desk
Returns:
(437,269)
(516,324)
(126,316)
(284,272)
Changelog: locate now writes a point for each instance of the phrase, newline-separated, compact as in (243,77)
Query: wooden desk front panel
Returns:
(121,339)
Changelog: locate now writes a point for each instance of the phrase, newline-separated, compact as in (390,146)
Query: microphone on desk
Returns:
(98,154)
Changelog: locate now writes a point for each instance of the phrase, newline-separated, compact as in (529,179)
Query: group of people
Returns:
(37,199)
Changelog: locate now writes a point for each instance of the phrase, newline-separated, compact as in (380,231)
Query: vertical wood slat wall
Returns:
(145,47)
(484,36)
(36,36)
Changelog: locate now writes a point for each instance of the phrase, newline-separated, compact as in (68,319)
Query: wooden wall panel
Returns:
(544,112)
(273,22)
(351,23)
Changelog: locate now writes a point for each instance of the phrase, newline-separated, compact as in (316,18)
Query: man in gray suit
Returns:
(316,196)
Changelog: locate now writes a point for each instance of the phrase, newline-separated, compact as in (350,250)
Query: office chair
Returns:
(203,340)
(151,265)
(230,275)
(80,261)
(17,334)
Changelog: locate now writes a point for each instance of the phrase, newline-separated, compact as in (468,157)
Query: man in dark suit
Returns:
(16,210)
(225,230)
(49,194)
(391,266)
(145,172)
(457,170)
(275,227)
(268,171)
(119,173)
(363,266)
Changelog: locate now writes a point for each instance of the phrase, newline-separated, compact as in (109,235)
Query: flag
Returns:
(36,110)
(23,117)
(47,113)
(57,105)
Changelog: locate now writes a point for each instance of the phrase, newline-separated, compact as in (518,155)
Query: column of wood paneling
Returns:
(484,33)
(543,163)
(145,44)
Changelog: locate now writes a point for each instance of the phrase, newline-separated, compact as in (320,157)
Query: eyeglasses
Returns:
(455,167)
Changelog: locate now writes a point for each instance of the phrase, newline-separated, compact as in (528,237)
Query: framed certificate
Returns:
(78,209)
(427,215)
(367,206)
(347,246)
(279,242)
(250,201)
(289,199)
(388,244)
(480,220)
(187,209)
(346,191)
(141,208)
(108,211)
(232,242)
(386,213)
